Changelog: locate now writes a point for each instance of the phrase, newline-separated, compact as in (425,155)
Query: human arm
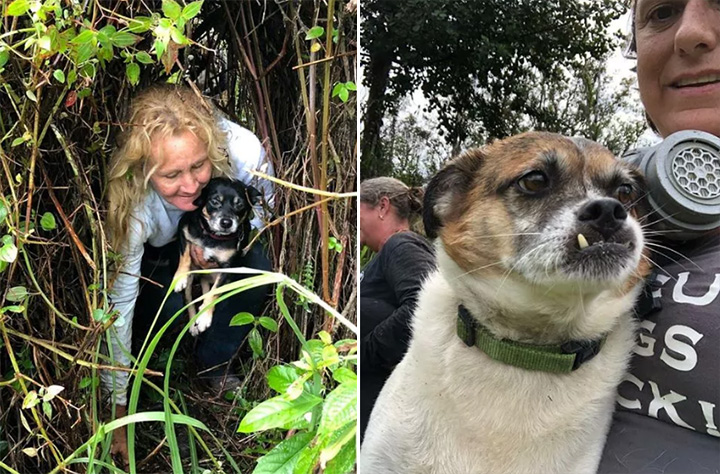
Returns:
(405,267)
(247,154)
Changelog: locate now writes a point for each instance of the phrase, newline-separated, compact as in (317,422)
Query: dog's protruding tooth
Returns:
(582,242)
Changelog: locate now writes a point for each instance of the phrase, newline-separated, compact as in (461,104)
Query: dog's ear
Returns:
(446,188)
(202,199)
(254,196)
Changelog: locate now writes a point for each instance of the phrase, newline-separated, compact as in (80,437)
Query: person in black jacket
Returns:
(390,283)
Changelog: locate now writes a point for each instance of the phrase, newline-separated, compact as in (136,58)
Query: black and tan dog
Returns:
(220,228)
(524,331)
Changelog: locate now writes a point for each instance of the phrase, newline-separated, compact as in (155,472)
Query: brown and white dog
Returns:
(523,333)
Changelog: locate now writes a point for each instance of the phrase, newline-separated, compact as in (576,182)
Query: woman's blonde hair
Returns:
(156,113)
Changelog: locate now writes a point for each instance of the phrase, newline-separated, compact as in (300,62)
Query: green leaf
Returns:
(123,39)
(84,37)
(85,382)
(107,30)
(8,253)
(12,308)
(177,36)
(315,32)
(16,294)
(344,375)
(31,95)
(99,315)
(276,412)
(47,409)
(281,376)
(17,8)
(4,58)
(31,399)
(330,356)
(344,94)
(283,457)
(45,43)
(256,342)
(3,211)
(59,76)
(84,52)
(72,77)
(268,323)
(339,409)
(344,460)
(191,10)
(18,141)
(325,337)
(140,24)
(350,85)
(132,71)
(51,392)
(160,47)
(144,58)
(333,444)
(47,221)
(171,9)
(242,319)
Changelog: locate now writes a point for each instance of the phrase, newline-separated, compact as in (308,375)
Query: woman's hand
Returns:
(119,447)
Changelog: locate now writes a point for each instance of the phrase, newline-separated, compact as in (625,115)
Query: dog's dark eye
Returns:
(215,202)
(533,182)
(625,194)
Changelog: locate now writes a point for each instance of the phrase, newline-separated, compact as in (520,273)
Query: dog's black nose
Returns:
(604,215)
(225,223)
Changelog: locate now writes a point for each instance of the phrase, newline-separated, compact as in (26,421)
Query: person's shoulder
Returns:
(408,240)
(239,136)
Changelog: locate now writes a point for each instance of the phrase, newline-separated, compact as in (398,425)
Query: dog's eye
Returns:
(533,182)
(215,202)
(625,194)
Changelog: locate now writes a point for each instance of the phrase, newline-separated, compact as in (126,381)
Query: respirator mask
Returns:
(683,177)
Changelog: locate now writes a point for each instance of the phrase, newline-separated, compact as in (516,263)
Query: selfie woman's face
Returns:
(678,63)
(184,169)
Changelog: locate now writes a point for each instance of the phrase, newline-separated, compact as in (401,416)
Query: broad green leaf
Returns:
(31,95)
(18,141)
(132,71)
(159,48)
(8,253)
(277,412)
(107,30)
(337,90)
(123,39)
(45,43)
(3,211)
(171,9)
(99,315)
(51,392)
(256,342)
(296,388)
(140,24)
(17,8)
(105,53)
(350,85)
(315,32)
(16,294)
(85,382)
(283,457)
(308,459)
(72,77)
(84,52)
(336,441)
(177,36)
(31,399)
(344,375)
(84,37)
(281,376)
(268,323)
(191,10)
(47,221)
(4,58)
(11,308)
(242,319)
(59,76)
(47,409)
(339,409)
(344,460)
(344,94)
(144,58)
(330,356)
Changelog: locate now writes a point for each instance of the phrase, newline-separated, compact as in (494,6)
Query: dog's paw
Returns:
(201,323)
(181,284)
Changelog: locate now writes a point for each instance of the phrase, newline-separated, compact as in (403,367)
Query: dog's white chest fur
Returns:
(449,409)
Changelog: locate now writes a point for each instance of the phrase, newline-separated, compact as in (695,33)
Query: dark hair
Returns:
(407,201)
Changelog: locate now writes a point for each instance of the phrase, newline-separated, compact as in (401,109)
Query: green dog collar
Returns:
(563,358)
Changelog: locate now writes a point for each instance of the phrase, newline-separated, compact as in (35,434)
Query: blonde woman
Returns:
(172,146)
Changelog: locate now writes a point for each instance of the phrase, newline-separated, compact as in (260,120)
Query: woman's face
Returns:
(369,225)
(184,169)
(678,63)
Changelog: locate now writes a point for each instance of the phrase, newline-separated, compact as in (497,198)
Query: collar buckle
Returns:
(583,350)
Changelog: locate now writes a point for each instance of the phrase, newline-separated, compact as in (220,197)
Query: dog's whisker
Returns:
(656,245)
(645,226)
(658,266)
(477,269)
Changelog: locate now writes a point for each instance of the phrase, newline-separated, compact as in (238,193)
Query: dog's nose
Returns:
(604,215)
(225,223)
